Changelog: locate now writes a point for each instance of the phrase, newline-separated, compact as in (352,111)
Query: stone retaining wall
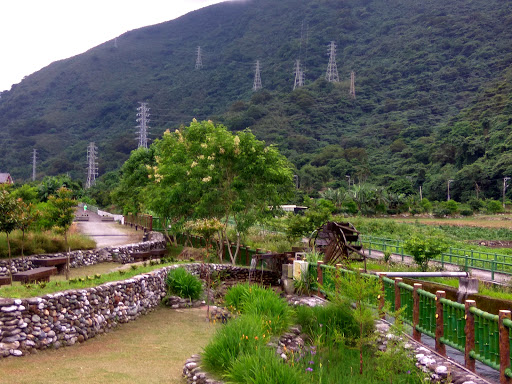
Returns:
(121,254)
(68,317)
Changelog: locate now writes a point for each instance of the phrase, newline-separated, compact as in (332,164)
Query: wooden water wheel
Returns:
(339,242)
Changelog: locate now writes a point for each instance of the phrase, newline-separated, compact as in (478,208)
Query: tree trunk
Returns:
(9,254)
(67,256)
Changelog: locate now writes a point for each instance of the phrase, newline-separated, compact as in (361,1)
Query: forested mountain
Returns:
(432,85)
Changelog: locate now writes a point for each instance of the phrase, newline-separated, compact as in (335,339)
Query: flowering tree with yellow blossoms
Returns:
(206,171)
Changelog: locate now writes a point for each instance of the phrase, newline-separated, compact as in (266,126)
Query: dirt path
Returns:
(106,234)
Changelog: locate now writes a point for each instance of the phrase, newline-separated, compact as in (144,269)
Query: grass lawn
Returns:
(152,349)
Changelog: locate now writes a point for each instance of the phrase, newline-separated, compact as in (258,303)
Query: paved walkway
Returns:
(106,234)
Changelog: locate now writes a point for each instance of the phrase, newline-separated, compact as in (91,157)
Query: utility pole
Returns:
(143,128)
(332,70)
(92,165)
(449,182)
(352,91)
(505,185)
(256,85)
(199,59)
(304,39)
(299,76)
(34,157)
(421,194)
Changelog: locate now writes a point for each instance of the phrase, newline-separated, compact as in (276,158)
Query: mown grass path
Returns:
(151,349)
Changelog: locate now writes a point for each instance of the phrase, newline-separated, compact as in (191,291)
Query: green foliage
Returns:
(253,299)
(327,321)
(264,367)
(205,171)
(493,206)
(234,339)
(423,249)
(182,283)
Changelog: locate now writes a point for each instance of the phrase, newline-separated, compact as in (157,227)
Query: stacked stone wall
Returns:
(65,318)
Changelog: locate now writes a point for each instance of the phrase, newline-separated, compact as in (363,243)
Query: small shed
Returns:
(5,178)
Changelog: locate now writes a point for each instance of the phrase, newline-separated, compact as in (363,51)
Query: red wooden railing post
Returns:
(504,347)
(150,223)
(416,312)
(469,330)
(382,298)
(247,262)
(320,277)
(397,293)
(440,347)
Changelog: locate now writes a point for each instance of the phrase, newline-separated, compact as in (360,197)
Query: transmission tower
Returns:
(332,71)
(352,91)
(34,157)
(143,128)
(257,77)
(92,165)
(199,59)
(304,39)
(299,76)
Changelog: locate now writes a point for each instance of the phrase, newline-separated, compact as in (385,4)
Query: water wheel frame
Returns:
(338,242)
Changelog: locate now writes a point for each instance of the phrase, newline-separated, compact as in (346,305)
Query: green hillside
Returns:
(431,83)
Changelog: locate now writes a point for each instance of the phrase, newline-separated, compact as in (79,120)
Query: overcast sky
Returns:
(35,33)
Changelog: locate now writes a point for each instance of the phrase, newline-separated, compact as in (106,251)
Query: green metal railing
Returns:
(406,302)
(389,292)
(427,323)
(487,261)
(508,324)
(454,323)
(486,338)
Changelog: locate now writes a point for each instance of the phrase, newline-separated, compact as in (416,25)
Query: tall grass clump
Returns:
(327,321)
(241,335)
(255,300)
(264,367)
(182,283)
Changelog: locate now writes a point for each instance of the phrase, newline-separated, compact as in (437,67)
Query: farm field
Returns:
(152,349)
(484,221)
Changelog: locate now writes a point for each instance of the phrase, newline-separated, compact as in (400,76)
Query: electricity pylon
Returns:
(332,71)
(299,76)
(143,128)
(92,165)
(352,91)
(199,59)
(256,85)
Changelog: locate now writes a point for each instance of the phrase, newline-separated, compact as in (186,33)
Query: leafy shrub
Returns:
(183,284)
(423,249)
(466,210)
(493,206)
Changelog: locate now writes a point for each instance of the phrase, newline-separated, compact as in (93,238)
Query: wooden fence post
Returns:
(150,229)
(397,293)
(440,347)
(382,298)
(320,277)
(247,262)
(416,312)
(504,347)
(469,330)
